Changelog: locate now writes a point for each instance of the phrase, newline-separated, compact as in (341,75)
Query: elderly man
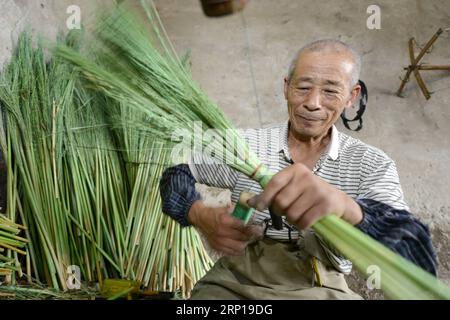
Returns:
(320,171)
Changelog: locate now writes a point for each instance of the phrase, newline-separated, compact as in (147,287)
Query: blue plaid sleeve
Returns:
(177,189)
(400,231)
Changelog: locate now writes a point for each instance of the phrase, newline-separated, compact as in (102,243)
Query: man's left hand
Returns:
(304,198)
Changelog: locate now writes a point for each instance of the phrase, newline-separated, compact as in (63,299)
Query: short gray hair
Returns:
(329,45)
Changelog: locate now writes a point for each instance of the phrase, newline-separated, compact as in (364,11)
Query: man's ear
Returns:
(286,87)
(354,94)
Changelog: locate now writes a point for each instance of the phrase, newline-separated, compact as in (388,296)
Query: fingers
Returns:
(299,195)
(308,209)
(235,247)
(236,243)
(229,246)
(275,185)
(310,217)
(289,178)
(299,206)
(233,228)
(254,230)
(230,236)
(239,235)
(285,199)
(226,220)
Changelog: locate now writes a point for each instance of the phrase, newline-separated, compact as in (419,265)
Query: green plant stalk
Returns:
(400,278)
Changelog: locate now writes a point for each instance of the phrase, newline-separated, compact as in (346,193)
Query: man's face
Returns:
(318,92)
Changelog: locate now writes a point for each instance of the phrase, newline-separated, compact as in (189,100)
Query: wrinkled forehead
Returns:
(330,67)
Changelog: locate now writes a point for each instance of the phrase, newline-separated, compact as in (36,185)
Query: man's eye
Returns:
(331,91)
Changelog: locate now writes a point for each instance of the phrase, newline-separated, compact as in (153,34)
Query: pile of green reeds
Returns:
(33,104)
(84,185)
(40,292)
(10,240)
(139,69)
(161,254)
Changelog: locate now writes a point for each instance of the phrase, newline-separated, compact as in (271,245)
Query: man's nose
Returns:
(312,101)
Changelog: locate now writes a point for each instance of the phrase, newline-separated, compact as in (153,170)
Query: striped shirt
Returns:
(365,173)
(350,165)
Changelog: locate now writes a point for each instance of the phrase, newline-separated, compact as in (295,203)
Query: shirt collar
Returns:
(332,149)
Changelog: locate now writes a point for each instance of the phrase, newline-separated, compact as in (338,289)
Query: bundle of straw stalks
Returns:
(138,68)
(40,292)
(85,187)
(10,240)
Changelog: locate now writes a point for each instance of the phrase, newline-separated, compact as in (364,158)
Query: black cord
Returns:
(362,108)
(269,223)
(277,221)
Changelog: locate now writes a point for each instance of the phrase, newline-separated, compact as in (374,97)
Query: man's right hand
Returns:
(224,233)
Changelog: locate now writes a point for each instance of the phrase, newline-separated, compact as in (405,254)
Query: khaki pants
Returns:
(271,269)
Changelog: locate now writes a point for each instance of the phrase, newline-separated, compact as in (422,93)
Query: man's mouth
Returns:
(309,118)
